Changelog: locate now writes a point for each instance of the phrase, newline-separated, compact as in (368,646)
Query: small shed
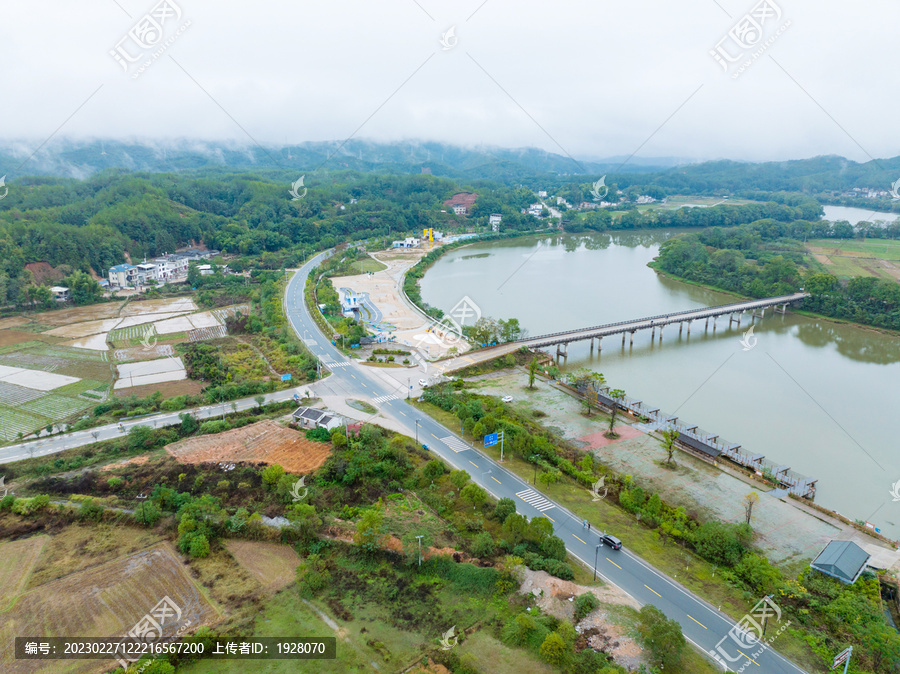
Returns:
(843,560)
(310,417)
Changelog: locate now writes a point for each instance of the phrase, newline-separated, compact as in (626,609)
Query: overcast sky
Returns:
(588,79)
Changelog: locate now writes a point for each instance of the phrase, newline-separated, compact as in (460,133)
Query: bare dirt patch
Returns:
(599,439)
(143,353)
(553,597)
(10,337)
(169,389)
(136,461)
(272,564)
(13,322)
(78,314)
(263,442)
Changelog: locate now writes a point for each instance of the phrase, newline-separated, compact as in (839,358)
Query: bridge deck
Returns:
(657,321)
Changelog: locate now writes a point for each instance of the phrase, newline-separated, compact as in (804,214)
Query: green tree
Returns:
(554,649)
(272,474)
(549,477)
(199,546)
(473,494)
(616,395)
(532,371)
(140,437)
(661,636)
(504,508)
(370,530)
(459,478)
(668,442)
(483,545)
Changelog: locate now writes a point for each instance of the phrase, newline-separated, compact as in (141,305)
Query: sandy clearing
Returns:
(173,304)
(155,378)
(146,367)
(173,325)
(93,342)
(84,329)
(399,319)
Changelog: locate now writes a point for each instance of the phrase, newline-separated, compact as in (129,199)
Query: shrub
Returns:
(214,426)
(661,636)
(504,508)
(554,649)
(722,543)
(318,434)
(90,511)
(584,604)
(199,546)
(483,545)
(272,474)
(6,503)
(115,482)
(459,478)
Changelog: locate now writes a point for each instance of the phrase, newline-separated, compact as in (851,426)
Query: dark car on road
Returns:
(611,541)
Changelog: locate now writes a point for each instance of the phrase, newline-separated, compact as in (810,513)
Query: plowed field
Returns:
(263,442)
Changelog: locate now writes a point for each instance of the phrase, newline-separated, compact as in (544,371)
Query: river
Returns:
(817,396)
(856,215)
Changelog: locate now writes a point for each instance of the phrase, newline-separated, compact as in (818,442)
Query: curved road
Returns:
(702,624)
(709,629)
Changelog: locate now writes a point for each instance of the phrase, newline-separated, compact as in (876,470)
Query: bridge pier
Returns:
(653,334)
(680,328)
(632,338)
(623,340)
(562,353)
(783,310)
(660,333)
(707,323)
(599,344)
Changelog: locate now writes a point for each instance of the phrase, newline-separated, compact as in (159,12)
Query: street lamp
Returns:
(420,548)
(417,430)
(534,458)
(596,554)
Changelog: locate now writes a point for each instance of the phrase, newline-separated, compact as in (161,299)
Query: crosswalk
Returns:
(455,444)
(334,365)
(531,497)
(384,399)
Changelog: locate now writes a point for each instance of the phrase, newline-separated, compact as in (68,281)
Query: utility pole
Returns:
(596,554)
(417,431)
(501,446)
(420,548)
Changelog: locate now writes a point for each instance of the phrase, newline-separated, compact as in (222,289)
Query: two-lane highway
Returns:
(702,623)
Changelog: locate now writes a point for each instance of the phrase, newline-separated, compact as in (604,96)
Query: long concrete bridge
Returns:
(734,312)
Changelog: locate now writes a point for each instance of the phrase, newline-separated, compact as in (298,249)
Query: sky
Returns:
(648,78)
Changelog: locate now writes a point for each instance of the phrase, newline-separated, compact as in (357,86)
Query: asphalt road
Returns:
(710,630)
(702,623)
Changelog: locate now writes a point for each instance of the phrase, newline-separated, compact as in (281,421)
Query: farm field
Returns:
(272,564)
(263,442)
(106,600)
(871,257)
(73,354)
(17,559)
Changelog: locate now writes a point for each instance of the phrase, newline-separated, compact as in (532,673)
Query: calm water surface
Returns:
(814,395)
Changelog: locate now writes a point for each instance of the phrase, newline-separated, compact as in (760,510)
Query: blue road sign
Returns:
(490,440)
(286,377)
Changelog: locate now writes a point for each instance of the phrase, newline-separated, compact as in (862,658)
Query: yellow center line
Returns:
(652,590)
(496,480)
(550,518)
(696,621)
(748,657)
(474,464)
(613,563)
(402,412)
(435,437)
(585,542)
(353,375)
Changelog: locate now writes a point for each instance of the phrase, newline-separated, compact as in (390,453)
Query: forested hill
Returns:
(91,224)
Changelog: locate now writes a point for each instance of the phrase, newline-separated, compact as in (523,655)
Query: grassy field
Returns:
(17,559)
(845,258)
(367,264)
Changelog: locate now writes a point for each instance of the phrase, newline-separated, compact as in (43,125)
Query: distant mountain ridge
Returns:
(530,166)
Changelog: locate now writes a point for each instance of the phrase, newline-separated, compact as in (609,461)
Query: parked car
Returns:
(611,541)
(423,383)
(507,399)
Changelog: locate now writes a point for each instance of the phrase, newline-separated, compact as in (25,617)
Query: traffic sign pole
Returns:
(501,446)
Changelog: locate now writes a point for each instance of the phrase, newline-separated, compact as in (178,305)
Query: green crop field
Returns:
(845,258)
